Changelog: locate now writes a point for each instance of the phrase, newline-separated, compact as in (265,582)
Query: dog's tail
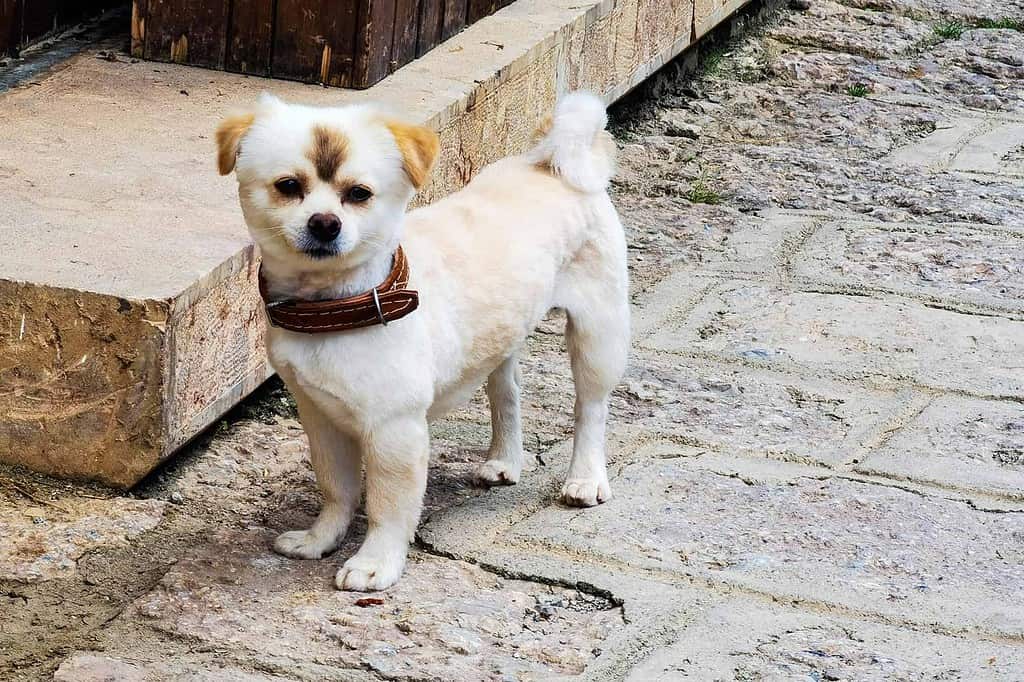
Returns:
(574,144)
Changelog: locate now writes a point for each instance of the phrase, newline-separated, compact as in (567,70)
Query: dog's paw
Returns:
(586,492)
(303,544)
(496,472)
(367,574)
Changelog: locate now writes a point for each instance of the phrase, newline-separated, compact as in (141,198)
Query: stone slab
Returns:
(961,444)
(794,533)
(89,667)
(972,145)
(744,641)
(129,319)
(851,335)
(760,248)
(953,263)
(840,28)
(43,539)
(992,152)
(937,150)
(444,619)
(739,409)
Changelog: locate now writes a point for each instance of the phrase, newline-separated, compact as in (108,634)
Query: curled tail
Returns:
(575,145)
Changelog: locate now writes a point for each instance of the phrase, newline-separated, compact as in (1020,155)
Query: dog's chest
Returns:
(353,377)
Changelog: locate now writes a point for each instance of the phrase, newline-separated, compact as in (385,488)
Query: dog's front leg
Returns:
(395,454)
(335,458)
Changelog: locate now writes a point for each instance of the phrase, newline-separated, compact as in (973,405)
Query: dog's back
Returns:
(529,233)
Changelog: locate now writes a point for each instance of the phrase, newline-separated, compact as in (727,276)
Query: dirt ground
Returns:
(801,114)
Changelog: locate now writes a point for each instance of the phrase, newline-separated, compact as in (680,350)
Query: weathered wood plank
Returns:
(10,25)
(407,23)
(374,31)
(478,9)
(455,12)
(138,28)
(23,22)
(70,12)
(346,43)
(431,25)
(250,37)
(187,31)
(38,17)
(314,41)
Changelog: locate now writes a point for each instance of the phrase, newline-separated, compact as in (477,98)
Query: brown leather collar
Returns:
(387,302)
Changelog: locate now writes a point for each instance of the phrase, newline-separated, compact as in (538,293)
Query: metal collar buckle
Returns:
(270,306)
(376,302)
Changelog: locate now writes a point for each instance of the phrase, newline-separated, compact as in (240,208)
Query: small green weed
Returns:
(1005,22)
(858,90)
(712,61)
(953,29)
(702,193)
(949,30)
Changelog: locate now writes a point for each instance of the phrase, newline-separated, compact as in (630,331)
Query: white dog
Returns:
(324,192)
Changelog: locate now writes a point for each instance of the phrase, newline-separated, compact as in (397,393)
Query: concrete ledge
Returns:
(129,320)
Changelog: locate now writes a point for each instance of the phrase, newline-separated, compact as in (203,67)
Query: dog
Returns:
(371,357)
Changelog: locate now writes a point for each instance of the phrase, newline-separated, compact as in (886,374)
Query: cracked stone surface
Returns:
(950,262)
(445,619)
(738,409)
(852,334)
(85,667)
(959,443)
(772,643)
(868,547)
(44,539)
(815,454)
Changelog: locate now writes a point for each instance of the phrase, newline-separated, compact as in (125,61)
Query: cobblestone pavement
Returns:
(817,454)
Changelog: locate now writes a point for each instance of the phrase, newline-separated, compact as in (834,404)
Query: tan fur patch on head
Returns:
(229,140)
(328,152)
(419,147)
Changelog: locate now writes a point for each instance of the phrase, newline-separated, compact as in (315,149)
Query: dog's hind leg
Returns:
(505,456)
(336,461)
(595,297)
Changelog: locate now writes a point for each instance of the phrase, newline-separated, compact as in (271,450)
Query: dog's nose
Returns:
(324,226)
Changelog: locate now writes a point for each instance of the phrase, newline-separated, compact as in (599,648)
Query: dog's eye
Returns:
(359,194)
(290,187)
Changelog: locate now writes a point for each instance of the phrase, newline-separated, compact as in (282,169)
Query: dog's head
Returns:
(323,187)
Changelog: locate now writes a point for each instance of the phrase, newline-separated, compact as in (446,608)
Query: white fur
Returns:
(529,233)
(569,147)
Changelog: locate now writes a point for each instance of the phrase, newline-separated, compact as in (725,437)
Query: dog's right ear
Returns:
(229,139)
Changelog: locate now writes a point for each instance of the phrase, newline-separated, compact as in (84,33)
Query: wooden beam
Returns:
(455,12)
(314,41)
(406,35)
(431,25)
(374,32)
(250,37)
(187,31)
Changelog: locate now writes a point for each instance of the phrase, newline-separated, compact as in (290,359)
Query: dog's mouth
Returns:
(316,249)
(321,252)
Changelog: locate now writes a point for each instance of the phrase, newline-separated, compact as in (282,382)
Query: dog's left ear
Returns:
(419,147)
(229,139)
